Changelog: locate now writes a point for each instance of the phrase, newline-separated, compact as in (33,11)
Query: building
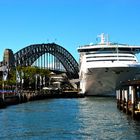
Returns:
(8,58)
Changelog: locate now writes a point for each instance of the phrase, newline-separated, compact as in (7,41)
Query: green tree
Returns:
(28,74)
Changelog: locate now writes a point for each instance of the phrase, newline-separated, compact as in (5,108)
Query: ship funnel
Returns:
(104,38)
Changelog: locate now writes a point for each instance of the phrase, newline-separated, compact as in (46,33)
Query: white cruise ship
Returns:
(105,65)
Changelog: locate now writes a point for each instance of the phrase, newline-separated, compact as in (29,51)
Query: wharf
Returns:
(27,95)
(128,98)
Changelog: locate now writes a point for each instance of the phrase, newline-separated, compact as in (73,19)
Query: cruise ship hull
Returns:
(103,81)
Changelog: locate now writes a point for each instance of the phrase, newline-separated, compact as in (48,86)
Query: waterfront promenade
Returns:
(28,95)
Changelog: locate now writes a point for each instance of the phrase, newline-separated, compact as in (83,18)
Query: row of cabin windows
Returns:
(109,49)
(112,60)
(110,52)
(110,56)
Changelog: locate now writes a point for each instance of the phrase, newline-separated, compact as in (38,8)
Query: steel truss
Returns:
(28,55)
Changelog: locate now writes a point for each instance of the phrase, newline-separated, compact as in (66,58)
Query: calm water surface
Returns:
(94,118)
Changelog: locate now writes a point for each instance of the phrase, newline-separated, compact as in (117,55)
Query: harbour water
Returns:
(90,118)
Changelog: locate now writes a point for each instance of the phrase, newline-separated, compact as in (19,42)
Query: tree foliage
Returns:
(28,74)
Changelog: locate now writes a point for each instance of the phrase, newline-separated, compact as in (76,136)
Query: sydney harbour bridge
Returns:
(49,56)
(26,87)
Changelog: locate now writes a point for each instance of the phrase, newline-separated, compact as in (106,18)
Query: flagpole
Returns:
(3,97)
(4,79)
(16,77)
(3,82)
(18,81)
(36,83)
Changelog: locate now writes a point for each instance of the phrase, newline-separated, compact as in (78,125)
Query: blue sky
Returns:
(69,23)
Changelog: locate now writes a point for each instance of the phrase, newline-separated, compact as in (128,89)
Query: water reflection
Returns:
(85,118)
(100,119)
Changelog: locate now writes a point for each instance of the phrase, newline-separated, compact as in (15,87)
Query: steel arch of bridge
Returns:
(28,55)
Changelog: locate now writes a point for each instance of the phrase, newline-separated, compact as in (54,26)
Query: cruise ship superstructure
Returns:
(105,65)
